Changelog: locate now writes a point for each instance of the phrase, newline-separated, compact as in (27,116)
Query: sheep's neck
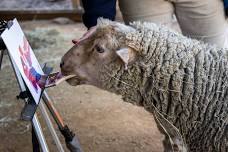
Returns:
(183,79)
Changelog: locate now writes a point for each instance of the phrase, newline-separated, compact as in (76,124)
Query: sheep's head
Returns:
(107,45)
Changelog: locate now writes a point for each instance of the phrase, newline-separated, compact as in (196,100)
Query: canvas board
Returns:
(23,55)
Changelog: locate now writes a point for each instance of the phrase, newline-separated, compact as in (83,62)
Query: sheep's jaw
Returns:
(75,81)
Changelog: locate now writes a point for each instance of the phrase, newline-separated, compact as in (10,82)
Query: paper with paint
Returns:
(22,54)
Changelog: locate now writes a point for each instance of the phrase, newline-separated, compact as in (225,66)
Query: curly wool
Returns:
(185,79)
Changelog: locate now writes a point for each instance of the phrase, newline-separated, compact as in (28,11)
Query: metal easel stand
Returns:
(35,121)
(70,138)
(38,139)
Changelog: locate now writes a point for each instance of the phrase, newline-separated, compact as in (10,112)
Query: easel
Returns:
(28,112)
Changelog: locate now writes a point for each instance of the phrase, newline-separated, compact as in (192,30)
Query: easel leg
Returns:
(1,57)
(50,126)
(71,139)
(39,134)
(35,142)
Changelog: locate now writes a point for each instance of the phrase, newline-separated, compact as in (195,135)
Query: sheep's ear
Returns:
(126,55)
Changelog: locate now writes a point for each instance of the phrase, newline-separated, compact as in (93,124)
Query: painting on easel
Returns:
(22,54)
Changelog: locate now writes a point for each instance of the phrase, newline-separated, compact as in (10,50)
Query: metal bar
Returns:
(50,126)
(35,142)
(1,57)
(41,14)
(35,121)
(39,134)
(70,138)
(52,110)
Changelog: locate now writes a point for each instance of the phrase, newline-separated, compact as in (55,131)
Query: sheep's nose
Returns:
(61,64)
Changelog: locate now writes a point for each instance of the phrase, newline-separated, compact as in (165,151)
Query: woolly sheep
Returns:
(180,80)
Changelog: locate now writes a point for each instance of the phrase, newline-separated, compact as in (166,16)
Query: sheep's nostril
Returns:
(61,64)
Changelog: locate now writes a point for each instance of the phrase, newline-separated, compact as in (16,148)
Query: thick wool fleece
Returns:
(185,79)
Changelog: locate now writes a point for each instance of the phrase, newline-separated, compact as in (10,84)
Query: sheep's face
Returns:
(89,57)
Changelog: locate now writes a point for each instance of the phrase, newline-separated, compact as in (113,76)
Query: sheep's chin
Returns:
(74,81)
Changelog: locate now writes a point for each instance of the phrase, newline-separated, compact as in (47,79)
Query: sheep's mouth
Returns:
(74,81)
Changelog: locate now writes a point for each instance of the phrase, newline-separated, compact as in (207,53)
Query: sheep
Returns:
(182,81)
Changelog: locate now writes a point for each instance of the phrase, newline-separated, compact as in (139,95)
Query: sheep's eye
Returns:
(99,49)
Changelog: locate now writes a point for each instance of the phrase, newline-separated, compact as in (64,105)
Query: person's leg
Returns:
(202,19)
(158,11)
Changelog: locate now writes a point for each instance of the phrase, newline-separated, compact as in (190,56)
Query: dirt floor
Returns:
(102,121)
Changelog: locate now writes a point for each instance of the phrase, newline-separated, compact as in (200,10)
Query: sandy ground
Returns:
(102,121)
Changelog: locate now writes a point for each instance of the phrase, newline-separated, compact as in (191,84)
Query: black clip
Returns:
(3,26)
(47,69)
(29,109)
(23,95)
(9,24)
